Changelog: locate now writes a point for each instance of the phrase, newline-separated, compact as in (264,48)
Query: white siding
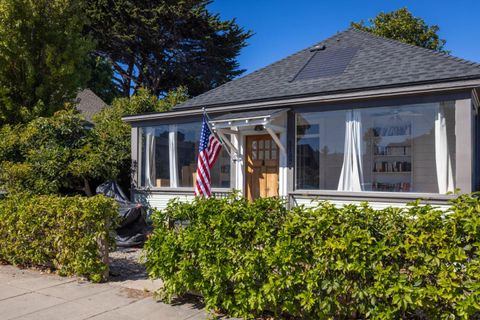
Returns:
(159,201)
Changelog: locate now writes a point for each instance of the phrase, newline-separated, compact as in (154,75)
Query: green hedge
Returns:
(323,262)
(65,233)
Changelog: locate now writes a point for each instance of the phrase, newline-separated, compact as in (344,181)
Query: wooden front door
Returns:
(261,168)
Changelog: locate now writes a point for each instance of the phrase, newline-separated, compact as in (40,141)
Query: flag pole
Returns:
(205,114)
(224,144)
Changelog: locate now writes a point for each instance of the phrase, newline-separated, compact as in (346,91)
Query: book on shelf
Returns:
(392,166)
(392,150)
(396,187)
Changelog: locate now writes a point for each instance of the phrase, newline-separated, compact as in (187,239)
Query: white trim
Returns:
(233,152)
(277,129)
(240,167)
(265,118)
(240,123)
(283,168)
(228,131)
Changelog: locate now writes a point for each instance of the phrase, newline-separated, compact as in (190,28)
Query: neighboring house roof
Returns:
(352,60)
(88,103)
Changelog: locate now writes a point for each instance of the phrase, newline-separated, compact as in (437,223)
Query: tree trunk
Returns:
(86,188)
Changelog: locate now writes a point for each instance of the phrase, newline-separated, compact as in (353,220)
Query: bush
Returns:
(65,233)
(322,262)
(219,254)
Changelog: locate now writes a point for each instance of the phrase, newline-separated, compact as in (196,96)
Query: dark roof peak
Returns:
(88,103)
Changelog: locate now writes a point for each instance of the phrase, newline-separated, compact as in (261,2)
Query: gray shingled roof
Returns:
(378,62)
(88,103)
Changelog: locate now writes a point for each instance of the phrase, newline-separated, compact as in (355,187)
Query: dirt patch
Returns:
(125,264)
(135,294)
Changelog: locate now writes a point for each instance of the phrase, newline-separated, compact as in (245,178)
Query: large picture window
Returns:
(391,149)
(169,157)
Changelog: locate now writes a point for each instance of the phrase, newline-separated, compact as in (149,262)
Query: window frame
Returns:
(173,157)
(457,99)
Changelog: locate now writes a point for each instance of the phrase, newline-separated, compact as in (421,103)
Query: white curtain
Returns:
(173,155)
(351,178)
(150,157)
(442,154)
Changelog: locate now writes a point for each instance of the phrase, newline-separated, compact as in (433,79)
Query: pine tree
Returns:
(163,44)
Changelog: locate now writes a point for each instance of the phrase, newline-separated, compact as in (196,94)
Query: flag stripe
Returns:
(201,165)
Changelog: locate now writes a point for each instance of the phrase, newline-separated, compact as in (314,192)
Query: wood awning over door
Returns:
(224,124)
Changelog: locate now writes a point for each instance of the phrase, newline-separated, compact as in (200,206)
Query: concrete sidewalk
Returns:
(33,295)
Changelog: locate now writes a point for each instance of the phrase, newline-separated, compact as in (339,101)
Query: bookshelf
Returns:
(392,157)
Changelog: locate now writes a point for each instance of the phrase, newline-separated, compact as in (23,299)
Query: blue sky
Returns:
(282,27)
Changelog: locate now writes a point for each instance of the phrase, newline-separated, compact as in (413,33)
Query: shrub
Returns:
(219,254)
(322,262)
(65,233)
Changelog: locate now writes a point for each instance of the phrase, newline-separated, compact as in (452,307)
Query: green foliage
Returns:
(60,155)
(401,25)
(221,252)
(101,76)
(322,262)
(42,57)
(161,45)
(57,232)
(41,156)
(109,153)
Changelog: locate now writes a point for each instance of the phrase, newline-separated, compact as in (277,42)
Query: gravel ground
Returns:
(125,264)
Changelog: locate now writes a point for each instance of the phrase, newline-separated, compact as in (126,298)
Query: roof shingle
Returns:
(377,62)
(89,104)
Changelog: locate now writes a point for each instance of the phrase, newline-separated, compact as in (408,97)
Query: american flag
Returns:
(207,155)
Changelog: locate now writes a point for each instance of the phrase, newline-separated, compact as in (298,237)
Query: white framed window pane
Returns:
(320,144)
(155,162)
(220,171)
(188,139)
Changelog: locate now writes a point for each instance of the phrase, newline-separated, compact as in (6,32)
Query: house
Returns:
(356,117)
(89,104)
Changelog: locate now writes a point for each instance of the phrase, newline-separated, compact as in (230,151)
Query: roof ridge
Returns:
(442,54)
